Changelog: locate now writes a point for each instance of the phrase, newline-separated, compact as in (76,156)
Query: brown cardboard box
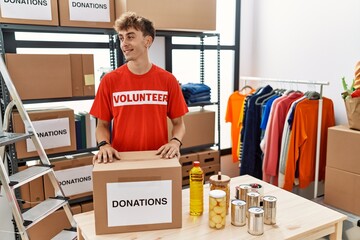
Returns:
(86,16)
(39,76)
(25,191)
(74,174)
(37,116)
(52,224)
(200,129)
(186,162)
(88,74)
(82,75)
(209,157)
(189,15)
(342,190)
(19,13)
(341,146)
(151,184)
(87,206)
(36,191)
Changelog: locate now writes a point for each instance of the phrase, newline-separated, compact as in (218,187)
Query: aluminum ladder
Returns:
(25,220)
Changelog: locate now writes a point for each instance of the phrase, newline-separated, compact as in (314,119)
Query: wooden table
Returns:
(297,218)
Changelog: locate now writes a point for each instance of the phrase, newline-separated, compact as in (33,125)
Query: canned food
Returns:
(252,200)
(269,210)
(238,212)
(221,182)
(242,191)
(217,209)
(256,221)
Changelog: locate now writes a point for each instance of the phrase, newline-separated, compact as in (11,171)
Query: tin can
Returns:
(269,210)
(256,221)
(217,209)
(252,200)
(238,212)
(242,191)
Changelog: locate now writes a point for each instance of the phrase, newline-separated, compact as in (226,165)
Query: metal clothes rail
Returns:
(318,138)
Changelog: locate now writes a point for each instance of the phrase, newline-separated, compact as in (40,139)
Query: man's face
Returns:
(133,44)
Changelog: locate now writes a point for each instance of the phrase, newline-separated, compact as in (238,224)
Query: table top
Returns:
(296,218)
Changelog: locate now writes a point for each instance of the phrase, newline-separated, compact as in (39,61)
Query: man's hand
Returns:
(106,154)
(169,150)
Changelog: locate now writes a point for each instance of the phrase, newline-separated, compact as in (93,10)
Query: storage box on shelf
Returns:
(142,186)
(209,162)
(201,16)
(200,129)
(48,76)
(74,174)
(87,15)
(55,128)
(342,177)
(41,13)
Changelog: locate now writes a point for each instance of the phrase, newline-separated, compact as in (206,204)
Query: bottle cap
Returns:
(196,164)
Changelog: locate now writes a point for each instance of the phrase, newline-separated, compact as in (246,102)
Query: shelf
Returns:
(47,100)
(202,104)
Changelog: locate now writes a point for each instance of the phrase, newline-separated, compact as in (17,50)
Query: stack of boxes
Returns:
(342,178)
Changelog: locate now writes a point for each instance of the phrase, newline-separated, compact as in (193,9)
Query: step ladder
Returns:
(25,220)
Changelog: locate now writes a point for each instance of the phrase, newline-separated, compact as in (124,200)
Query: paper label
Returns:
(89,79)
(53,133)
(30,9)
(75,180)
(89,10)
(136,203)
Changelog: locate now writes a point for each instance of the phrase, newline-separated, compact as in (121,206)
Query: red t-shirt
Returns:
(139,106)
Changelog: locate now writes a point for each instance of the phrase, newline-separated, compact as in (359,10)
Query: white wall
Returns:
(316,40)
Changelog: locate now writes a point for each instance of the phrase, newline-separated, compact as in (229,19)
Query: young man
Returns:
(138,97)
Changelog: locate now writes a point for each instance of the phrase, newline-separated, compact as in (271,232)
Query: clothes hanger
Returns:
(245,87)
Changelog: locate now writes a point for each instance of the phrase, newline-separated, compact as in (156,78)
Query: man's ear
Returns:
(148,41)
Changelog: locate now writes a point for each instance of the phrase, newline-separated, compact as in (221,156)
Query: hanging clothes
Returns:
(234,115)
(274,136)
(251,162)
(301,155)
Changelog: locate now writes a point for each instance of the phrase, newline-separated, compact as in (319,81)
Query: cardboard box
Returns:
(87,206)
(40,76)
(52,224)
(82,75)
(208,172)
(187,161)
(55,128)
(209,157)
(25,191)
(84,14)
(341,146)
(200,129)
(142,179)
(342,190)
(188,15)
(74,174)
(17,12)
(36,191)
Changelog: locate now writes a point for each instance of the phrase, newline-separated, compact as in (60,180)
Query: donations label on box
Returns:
(134,203)
(52,133)
(90,10)
(35,10)
(75,180)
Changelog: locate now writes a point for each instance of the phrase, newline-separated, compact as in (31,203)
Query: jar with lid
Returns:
(221,182)
(217,209)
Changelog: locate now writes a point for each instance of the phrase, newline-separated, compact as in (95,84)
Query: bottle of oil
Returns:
(196,176)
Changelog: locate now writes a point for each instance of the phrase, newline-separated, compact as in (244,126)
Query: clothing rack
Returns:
(318,138)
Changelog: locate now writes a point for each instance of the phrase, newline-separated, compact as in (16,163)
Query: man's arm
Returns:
(106,152)
(172,148)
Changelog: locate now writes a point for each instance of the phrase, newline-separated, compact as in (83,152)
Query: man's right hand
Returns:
(106,154)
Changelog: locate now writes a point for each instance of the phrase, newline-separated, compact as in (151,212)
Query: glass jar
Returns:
(217,209)
(221,182)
